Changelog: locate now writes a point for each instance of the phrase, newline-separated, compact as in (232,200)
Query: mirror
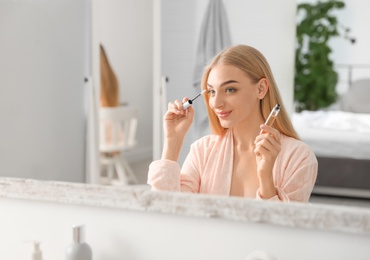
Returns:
(59,134)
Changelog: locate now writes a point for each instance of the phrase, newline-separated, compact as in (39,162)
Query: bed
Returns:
(341,142)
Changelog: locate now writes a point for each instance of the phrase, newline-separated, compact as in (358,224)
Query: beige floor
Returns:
(141,170)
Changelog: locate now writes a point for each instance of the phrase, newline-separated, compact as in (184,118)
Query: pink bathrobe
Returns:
(209,165)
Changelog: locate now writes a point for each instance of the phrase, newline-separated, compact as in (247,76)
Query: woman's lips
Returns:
(223,114)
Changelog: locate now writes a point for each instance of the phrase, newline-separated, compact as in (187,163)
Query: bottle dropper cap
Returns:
(78,233)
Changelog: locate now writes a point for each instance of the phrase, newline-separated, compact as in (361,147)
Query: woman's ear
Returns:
(262,88)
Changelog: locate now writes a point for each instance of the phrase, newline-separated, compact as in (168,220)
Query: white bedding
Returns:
(335,133)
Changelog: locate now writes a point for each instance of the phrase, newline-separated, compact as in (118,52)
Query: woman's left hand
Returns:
(267,148)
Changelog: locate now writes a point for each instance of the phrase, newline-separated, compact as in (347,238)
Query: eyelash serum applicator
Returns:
(190,101)
(272,116)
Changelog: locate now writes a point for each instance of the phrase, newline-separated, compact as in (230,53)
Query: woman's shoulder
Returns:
(291,145)
(207,140)
(212,141)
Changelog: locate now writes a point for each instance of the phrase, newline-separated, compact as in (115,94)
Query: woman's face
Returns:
(232,96)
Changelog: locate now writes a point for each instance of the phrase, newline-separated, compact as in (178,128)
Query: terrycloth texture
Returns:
(209,165)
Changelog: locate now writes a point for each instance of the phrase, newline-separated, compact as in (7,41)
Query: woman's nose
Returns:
(217,101)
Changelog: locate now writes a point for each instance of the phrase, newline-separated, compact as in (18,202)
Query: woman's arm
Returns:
(295,172)
(295,169)
(267,149)
(166,175)
(176,123)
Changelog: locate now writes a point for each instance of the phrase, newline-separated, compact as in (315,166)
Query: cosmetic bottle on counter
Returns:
(78,249)
(36,253)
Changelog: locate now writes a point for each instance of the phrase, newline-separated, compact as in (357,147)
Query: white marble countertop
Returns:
(299,215)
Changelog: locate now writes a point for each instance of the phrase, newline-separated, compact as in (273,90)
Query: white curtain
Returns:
(214,37)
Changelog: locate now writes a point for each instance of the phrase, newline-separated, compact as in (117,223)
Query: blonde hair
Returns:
(255,65)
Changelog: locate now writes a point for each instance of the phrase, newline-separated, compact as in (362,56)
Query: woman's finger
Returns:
(175,107)
(271,131)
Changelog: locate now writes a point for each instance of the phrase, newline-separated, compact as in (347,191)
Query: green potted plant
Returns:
(315,76)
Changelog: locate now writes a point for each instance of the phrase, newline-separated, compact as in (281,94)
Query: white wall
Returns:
(120,234)
(356,17)
(125,28)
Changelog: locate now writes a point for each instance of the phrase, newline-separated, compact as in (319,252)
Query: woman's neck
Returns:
(245,134)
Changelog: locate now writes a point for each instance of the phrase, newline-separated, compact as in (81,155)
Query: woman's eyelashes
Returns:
(230,90)
(212,92)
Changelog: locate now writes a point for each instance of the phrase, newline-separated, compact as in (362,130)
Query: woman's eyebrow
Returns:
(224,83)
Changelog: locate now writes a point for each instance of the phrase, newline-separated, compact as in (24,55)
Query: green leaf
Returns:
(315,77)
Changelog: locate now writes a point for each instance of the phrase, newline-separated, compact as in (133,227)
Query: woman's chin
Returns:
(225,124)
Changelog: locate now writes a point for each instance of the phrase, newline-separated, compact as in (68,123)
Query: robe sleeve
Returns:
(166,175)
(295,174)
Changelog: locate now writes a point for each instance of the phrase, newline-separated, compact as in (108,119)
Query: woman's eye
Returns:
(230,90)
(211,92)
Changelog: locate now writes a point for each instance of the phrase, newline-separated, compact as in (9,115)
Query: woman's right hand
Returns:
(177,121)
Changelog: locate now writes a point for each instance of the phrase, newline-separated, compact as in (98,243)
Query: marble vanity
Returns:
(141,221)
(140,198)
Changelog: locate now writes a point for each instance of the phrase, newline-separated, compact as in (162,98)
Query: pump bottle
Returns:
(36,253)
(78,249)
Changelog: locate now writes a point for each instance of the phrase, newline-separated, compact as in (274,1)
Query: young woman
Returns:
(243,156)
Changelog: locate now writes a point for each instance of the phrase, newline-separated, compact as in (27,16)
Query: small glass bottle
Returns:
(36,253)
(272,116)
(78,249)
